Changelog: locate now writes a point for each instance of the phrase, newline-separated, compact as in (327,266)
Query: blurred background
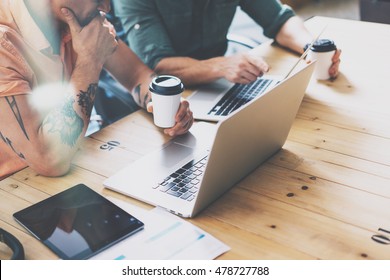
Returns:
(367,10)
(348,9)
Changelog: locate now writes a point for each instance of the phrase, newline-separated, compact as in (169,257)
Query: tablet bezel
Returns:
(131,225)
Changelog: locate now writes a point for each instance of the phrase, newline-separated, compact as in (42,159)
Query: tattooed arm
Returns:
(129,70)
(47,140)
(133,74)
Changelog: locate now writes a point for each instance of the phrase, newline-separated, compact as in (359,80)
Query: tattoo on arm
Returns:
(66,122)
(137,93)
(9,143)
(147,98)
(142,101)
(15,109)
(63,120)
(86,99)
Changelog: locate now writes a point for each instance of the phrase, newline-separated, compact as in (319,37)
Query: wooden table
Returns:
(325,195)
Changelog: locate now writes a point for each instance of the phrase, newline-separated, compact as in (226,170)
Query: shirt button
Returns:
(137,26)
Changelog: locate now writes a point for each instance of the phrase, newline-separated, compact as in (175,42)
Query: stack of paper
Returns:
(165,236)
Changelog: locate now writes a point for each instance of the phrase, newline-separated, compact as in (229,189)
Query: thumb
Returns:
(149,107)
(71,20)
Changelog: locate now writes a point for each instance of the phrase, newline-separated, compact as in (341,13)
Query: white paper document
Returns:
(164,237)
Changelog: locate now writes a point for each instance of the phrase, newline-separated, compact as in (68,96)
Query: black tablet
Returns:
(78,222)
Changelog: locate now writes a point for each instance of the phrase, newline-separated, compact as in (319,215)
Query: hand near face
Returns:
(93,42)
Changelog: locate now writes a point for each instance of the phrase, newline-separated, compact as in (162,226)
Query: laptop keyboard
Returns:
(184,182)
(238,95)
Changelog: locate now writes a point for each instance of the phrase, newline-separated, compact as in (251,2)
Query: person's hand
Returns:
(94,42)
(334,68)
(184,119)
(244,68)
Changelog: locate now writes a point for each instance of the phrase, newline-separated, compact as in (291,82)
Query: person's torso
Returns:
(26,54)
(198,28)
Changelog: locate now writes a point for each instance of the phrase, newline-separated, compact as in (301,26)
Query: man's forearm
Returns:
(294,35)
(192,71)
(131,72)
(65,125)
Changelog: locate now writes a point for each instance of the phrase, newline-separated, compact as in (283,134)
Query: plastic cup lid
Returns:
(166,85)
(323,45)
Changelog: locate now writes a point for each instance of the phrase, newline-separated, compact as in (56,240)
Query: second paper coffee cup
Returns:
(166,94)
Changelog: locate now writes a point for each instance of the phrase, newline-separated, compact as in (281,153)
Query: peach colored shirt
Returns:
(26,61)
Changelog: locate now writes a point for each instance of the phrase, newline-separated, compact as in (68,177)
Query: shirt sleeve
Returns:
(144,30)
(269,14)
(15,74)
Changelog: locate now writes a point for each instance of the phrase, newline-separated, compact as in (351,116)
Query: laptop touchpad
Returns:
(174,153)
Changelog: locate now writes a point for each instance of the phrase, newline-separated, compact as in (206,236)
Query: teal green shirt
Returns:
(156,29)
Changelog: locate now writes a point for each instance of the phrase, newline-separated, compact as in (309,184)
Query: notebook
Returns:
(219,154)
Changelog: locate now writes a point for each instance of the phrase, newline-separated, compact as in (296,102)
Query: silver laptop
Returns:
(191,171)
(215,101)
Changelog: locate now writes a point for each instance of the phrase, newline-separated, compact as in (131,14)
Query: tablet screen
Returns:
(78,222)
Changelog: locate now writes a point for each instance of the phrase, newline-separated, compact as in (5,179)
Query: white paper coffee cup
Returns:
(166,95)
(322,51)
